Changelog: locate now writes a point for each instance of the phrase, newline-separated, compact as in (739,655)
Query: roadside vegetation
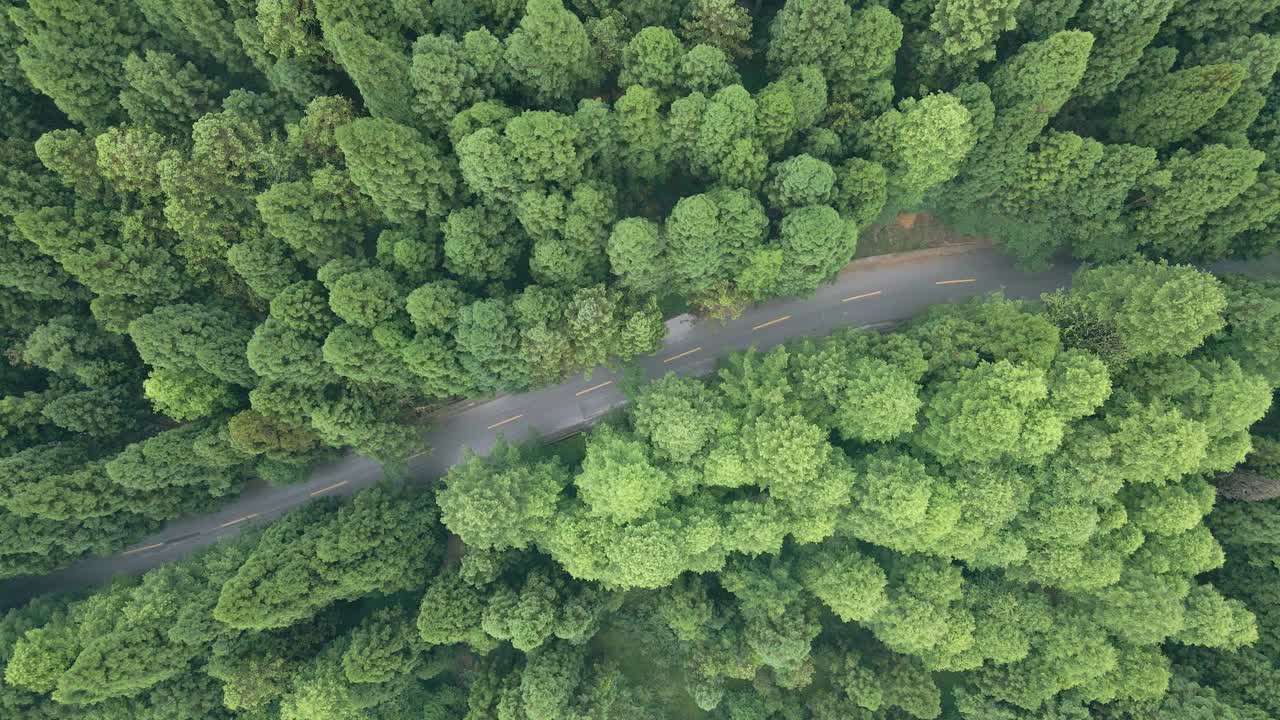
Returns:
(238,237)
(1005,509)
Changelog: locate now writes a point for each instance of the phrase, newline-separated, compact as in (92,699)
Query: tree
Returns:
(199,24)
(449,76)
(1250,315)
(635,249)
(402,174)
(210,193)
(650,60)
(790,105)
(816,242)
(958,37)
(710,236)
(1122,29)
(921,145)
(380,70)
(861,191)
(678,417)
(1001,399)
(171,459)
(642,134)
(1178,105)
(1179,307)
(488,342)
(197,337)
(73,54)
(266,265)
(798,181)
(549,53)
(1190,186)
(505,485)
(365,297)
(618,479)
(478,244)
(719,23)
(569,233)
(435,305)
(383,647)
(1027,89)
(850,583)
(383,541)
(321,219)
(188,395)
(808,32)
(705,68)
(166,94)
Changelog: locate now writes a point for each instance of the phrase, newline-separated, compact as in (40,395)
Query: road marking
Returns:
(775,321)
(686,352)
(580,393)
(859,297)
(141,549)
(238,520)
(504,422)
(420,453)
(956,282)
(327,489)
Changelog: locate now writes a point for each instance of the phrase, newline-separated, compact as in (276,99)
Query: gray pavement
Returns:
(873,293)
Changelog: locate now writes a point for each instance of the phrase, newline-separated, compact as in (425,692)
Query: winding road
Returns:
(870,293)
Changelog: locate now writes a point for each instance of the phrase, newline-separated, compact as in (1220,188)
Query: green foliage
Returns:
(73,54)
(478,490)
(1122,29)
(1156,309)
(1177,105)
(242,237)
(921,145)
(379,69)
(384,542)
(166,94)
(549,53)
(1027,90)
(401,174)
(449,76)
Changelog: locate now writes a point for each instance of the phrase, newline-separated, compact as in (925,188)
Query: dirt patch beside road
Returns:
(909,232)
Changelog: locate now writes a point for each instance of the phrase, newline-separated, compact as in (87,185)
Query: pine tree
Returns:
(73,53)
(1027,89)
(1175,106)
(380,71)
(1122,30)
(549,53)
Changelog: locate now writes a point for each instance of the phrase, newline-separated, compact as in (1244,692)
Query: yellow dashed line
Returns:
(859,297)
(145,547)
(956,282)
(327,489)
(686,352)
(504,422)
(774,321)
(229,523)
(580,393)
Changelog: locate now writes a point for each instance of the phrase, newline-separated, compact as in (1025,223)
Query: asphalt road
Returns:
(877,292)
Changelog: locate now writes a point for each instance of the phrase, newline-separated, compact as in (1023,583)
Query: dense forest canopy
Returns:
(238,236)
(241,236)
(975,517)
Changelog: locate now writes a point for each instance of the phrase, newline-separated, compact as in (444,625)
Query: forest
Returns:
(1002,511)
(241,237)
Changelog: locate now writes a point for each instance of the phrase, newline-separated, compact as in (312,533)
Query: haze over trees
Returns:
(1005,509)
